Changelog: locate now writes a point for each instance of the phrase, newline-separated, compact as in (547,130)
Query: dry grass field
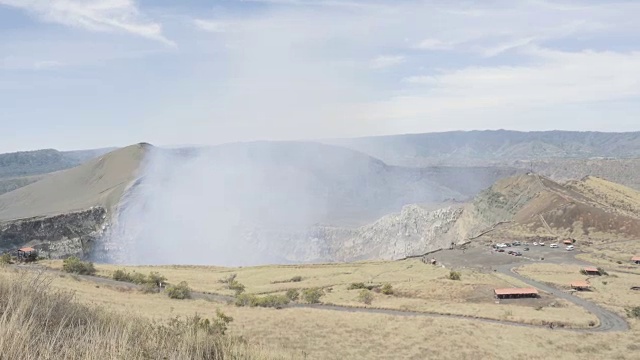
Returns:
(417,287)
(324,334)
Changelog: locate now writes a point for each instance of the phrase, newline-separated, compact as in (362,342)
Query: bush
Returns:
(150,288)
(454,275)
(76,266)
(275,301)
(387,289)
(156,278)
(365,296)
(121,275)
(634,312)
(150,283)
(602,271)
(356,286)
(228,279)
(312,296)
(293,294)
(5,259)
(180,291)
(583,272)
(297,278)
(237,287)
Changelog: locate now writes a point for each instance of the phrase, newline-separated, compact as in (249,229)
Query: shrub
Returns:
(365,296)
(150,288)
(293,294)
(387,289)
(156,278)
(602,271)
(583,272)
(297,278)
(138,278)
(76,266)
(356,286)
(276,301)
(634,312)
(237,287)
(180,291)
(618,262)
(312,296)
(5,259)
(228,279)
(454,275)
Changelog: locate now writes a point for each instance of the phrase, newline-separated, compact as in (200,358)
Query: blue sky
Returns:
(86,74)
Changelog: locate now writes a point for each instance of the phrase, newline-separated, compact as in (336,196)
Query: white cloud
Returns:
(385,61)
(211,26)
(556,78)
(434,44)
(94,15)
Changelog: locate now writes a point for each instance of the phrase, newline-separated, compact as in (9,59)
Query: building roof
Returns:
(27,249)
(516,291)
(580,284)
(568,242)
(635,258)
(590,269)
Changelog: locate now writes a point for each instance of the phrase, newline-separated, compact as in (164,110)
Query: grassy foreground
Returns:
(39,322)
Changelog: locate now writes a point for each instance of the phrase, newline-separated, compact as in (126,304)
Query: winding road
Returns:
(609,321)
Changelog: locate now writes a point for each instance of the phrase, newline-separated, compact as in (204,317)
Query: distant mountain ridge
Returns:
(493,146)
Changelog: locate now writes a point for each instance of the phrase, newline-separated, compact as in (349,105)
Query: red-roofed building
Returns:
(636,260)
(580,285)
(590,270)
(514,293)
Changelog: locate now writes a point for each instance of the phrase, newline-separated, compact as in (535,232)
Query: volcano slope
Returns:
(64,212)
(591,210)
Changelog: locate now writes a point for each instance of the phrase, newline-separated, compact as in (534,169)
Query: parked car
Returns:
(500,250)
(541,244)
(635,288)
(553,246)
(526,249)
(516,243)
(570,248)
(517,253)
(535,244)
(510,252)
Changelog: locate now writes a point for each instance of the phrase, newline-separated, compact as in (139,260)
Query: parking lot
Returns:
(486,258)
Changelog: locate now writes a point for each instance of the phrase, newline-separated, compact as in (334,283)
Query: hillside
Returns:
(65,212)
(529,206)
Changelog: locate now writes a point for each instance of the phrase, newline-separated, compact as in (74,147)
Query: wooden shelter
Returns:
(567,242)
(516,293)
(27,254)
(636,260)
(590,270)
(580,285)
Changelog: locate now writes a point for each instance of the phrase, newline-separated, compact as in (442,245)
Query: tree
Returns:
(312,296)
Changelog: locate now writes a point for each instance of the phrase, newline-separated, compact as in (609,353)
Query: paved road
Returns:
(609,321)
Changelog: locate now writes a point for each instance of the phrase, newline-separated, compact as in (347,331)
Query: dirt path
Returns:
(608,320)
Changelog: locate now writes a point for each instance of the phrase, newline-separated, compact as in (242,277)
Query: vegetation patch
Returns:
(634,312)
(313,295)
(293,294)
(365,296)
(454,275)
(180,291)
(296,278)
(361,285)
(76,266)
(251,300)
(5,259)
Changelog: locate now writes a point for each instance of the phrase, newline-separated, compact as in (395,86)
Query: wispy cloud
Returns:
(385,61)
(94,15)
(211,25)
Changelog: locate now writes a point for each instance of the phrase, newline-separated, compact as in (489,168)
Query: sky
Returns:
(87,74)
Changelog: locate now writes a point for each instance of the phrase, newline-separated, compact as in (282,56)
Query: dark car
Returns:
(526,249)
(510,252)
(500,250)
(517,253)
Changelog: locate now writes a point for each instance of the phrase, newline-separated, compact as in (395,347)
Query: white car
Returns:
(541,244)
(570,248)
(553,246)
(535,244)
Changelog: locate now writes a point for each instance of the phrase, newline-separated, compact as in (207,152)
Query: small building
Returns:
(590,270)
(636,260)
(27,254)
(567,242)
(580,285)
(516,293)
